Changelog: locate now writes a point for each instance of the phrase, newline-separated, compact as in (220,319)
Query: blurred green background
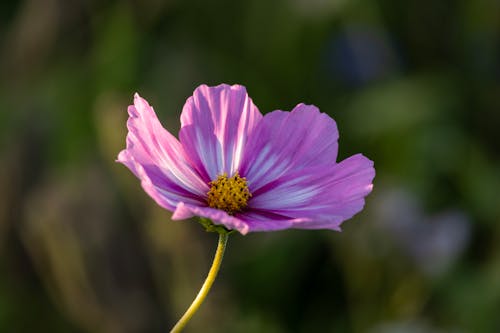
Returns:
(414,85)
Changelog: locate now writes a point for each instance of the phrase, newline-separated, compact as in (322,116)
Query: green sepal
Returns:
(211,227)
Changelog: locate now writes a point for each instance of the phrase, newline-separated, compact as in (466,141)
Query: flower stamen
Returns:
(228,194)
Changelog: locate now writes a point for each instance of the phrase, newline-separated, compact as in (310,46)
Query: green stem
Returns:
(202,294)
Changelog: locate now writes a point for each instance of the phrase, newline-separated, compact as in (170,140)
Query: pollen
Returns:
(229,194)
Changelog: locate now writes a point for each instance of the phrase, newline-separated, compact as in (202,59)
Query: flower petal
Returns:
(284,141)
(267,221)
(243,222)
(217,216)
(325,196)
(215,124)
(158,159)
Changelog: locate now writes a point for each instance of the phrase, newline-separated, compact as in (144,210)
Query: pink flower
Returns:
(243,170)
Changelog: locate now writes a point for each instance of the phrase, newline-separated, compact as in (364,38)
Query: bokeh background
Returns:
(414,85)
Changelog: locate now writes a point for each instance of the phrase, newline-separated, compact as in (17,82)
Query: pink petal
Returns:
(285,141)
(325,196)
(217,216)
(267,221)
(243,222)
(158,159)
(216,122)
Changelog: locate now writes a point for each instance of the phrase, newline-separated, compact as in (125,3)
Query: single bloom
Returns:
(243,170)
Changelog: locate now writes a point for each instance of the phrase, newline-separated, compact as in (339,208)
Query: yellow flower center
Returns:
(228,194)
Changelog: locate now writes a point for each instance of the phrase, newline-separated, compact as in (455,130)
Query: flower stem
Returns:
(202,294)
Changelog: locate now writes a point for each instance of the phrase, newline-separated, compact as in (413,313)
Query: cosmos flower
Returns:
(245,171)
